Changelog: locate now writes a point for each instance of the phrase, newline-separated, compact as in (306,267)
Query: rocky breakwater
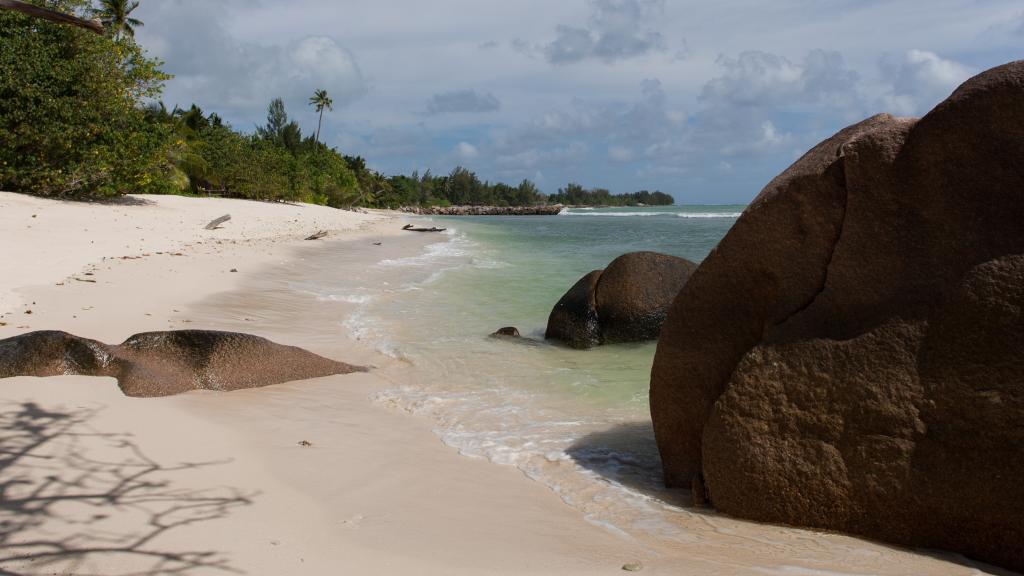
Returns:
(851,356)
(166,363)
(625,302)
(553,210)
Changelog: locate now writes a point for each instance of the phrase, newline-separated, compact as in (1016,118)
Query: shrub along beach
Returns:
(225,350)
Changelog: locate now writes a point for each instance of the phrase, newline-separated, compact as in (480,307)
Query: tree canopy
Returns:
(69,120)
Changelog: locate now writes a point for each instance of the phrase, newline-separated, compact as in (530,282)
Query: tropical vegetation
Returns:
(116,16)
(80,116)
(575,194)
(70,123)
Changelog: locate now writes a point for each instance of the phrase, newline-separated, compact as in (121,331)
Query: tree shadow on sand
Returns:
(627,454)
(63,483)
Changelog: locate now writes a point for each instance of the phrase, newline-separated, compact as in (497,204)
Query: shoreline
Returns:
(377,490)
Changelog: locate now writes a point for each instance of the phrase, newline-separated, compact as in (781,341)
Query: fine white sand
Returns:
(199,483)
(207,483)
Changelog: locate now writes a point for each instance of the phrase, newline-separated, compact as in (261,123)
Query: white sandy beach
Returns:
(399,501)
(204,483)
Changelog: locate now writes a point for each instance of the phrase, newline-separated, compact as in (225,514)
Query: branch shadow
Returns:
(59,503)
(109,200)
(627,454)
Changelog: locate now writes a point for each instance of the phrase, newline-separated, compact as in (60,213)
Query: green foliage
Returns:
(273,164)
(320,100)
(69,123)
(576,195)
(116,17)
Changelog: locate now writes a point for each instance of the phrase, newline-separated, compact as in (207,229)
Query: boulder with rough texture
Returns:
(851,356)
(634,293)
(625,302)
(166,363)
(573,320)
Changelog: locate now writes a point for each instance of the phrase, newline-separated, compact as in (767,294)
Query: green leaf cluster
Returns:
(70,124)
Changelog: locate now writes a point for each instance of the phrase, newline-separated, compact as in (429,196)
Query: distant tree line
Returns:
(575,194)
(461,187)
(77,120)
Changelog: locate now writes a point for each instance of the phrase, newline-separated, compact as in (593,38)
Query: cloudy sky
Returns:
(706,100)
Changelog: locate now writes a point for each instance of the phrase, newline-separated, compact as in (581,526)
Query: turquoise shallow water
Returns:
(510,271)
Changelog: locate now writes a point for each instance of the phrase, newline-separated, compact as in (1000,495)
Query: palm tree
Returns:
(321,100)
(116,17)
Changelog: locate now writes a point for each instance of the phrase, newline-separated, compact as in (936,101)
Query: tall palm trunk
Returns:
(318,125)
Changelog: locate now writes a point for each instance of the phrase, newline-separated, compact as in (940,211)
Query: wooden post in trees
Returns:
(51,15)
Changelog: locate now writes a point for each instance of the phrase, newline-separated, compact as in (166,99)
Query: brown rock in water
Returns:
(508,331)
(626,302)
(851,356)
(166,363)
(573,320)
(635,292)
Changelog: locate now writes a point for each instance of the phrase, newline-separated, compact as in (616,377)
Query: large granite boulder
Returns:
(625,302)
(574,320)
(851,356)
(165,363)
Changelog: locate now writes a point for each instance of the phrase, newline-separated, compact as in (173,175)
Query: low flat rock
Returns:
(166,363)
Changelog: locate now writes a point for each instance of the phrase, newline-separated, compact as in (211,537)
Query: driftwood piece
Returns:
(214,224)
(51,15)
(410,228)
(318,235)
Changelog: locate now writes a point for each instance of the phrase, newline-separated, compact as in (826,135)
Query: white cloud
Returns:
(758,79)
(237,78)
(620,154)
(462,101)
(766,139)
(920,80)
(466,151)
(618,30)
